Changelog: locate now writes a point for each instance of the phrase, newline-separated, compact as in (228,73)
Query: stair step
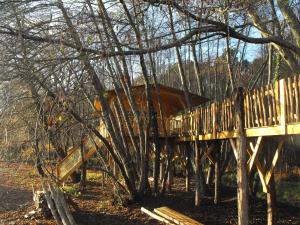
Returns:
(73,160)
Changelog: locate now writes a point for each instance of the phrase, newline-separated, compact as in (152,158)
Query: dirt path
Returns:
(93,207)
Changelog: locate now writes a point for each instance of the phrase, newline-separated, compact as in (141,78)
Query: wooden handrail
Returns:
(271,105)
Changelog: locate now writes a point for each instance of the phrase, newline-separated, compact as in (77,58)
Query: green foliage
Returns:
(72,190)
(93,175)
(277,65)
(229,178)
(288,191)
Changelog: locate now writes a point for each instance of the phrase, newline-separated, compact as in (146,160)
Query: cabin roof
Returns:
(165,91)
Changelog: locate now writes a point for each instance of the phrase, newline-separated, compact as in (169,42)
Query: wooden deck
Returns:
(269,111)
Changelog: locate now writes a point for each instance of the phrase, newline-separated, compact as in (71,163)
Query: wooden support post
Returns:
(217,173)
(210,173)
(234,148)
(242,175)
(171,174)
(187,168)
(282,100)
(214,120)
(271,194)
(260,169)
(274,161)
(161,170)
(170,178)
(197,175)
(271,202)
(153,166)
(255,153)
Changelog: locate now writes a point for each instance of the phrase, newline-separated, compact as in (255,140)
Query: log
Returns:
(65,207)
(41,204)
(51,204)
(155,216)
(58,205)
(175,216)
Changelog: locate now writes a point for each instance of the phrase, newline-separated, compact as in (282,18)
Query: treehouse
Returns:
(172,102)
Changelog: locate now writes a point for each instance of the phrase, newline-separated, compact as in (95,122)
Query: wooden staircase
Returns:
(74,159)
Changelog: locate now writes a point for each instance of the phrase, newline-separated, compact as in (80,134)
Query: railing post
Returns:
(282,100)
(214,120)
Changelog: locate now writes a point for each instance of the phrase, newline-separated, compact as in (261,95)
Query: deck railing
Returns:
(269,106)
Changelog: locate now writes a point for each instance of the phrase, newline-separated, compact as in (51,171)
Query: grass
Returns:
(93,175)
(72,190)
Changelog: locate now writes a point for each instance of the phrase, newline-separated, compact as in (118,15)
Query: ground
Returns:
(94,205)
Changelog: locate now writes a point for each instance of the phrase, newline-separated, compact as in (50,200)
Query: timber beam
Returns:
(254,150)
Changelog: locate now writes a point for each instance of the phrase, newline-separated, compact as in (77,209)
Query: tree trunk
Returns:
(242,175)
(271,194)
(217,174)
(271,202)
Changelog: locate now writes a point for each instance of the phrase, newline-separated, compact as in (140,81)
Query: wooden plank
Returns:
(262,96)
(269,103)
(207,154)
(231,108)
(277,100)
(255,105)
(226,115)
(260,113)
(176,217)
(274,161)
(222,116)
(227,134)
(291,95)
(289,100)
(248,110)
(297,98)
(155,216)
(265,131)
(274,103)
(282,96)
(256,151)
(293,129)
(251,109)
(214,120)
(260,170)
(233,145)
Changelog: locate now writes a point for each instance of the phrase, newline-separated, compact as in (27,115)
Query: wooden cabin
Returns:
(172,99)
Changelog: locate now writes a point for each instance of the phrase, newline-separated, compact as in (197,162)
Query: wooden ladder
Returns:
(74,159)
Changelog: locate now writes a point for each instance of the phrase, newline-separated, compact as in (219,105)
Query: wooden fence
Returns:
(274,105)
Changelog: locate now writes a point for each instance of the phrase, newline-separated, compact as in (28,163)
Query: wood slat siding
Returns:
(274,106)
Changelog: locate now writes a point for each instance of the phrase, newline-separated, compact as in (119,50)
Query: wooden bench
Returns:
(175,217)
